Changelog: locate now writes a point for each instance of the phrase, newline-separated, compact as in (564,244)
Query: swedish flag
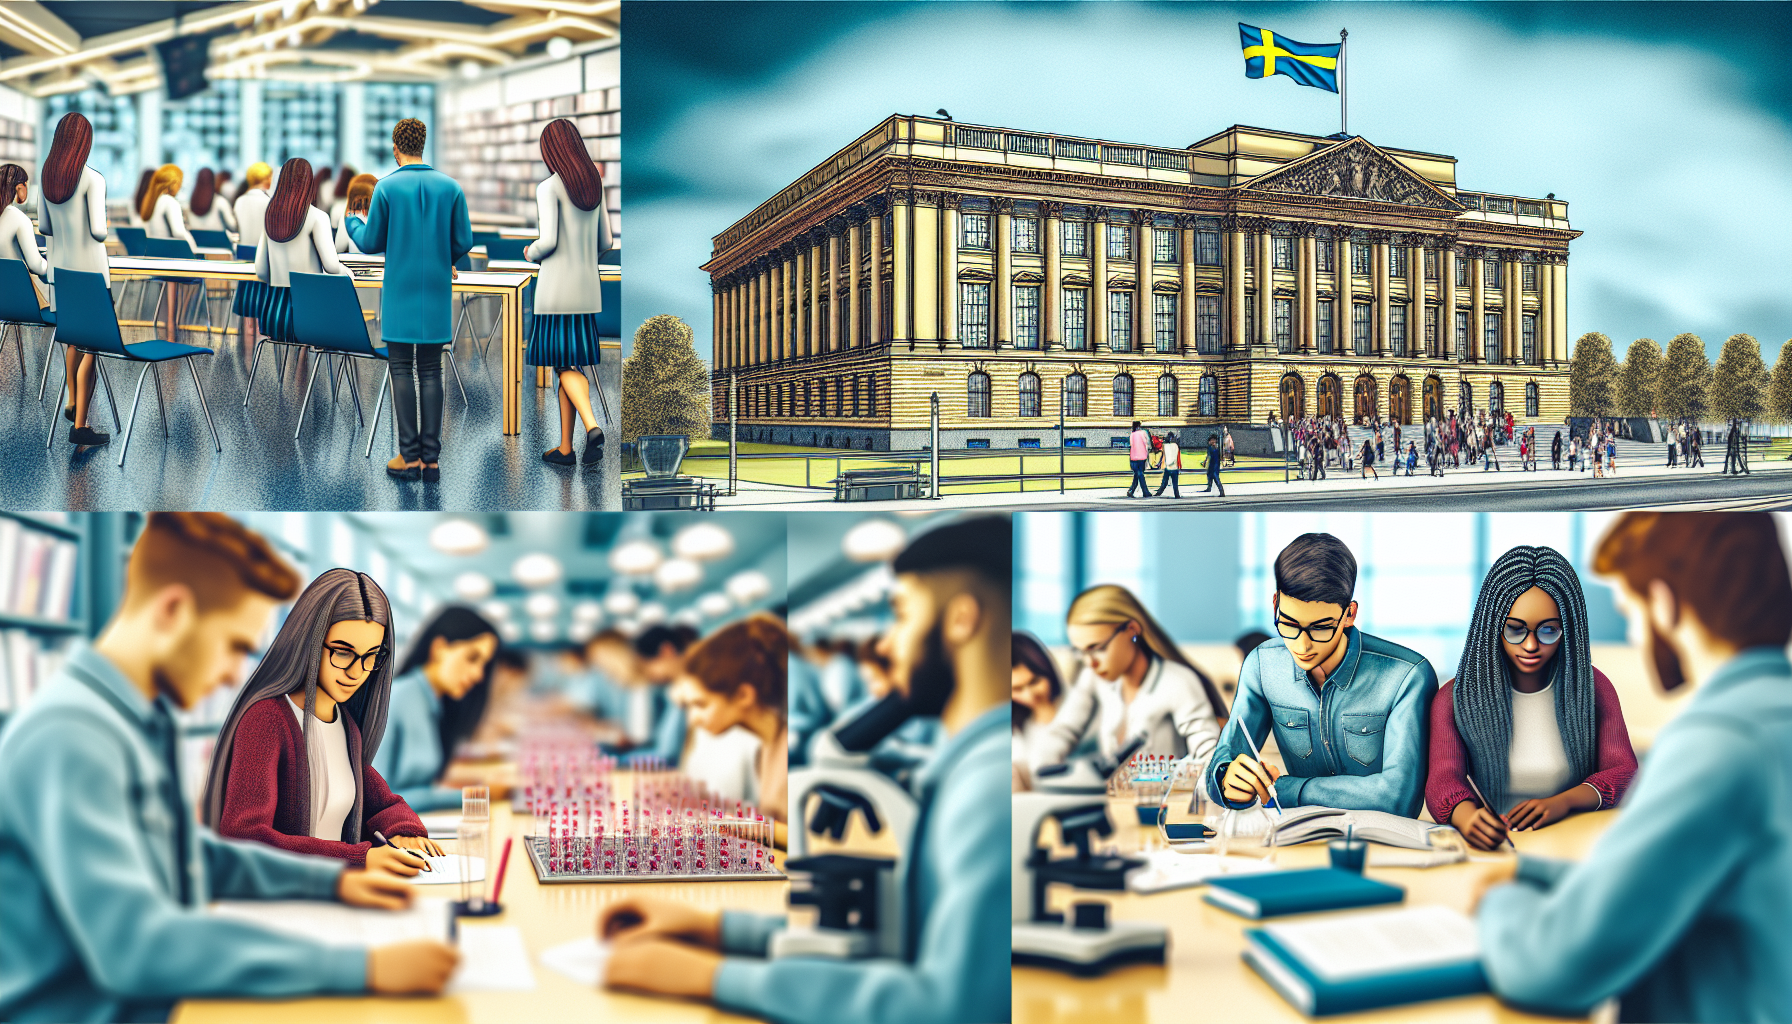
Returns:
(1266,53)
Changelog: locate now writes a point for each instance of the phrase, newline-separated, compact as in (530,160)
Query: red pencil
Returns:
(503,862)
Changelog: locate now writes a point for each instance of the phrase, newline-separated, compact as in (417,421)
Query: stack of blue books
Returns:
(1275,893)
(1354,962)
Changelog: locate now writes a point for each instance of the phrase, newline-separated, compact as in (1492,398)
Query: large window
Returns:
(1528,325)
(1207,248)
(1163,245)
(1396,261)
(1166,395)
(1430,264)
(1209,392)
(1496,397)
(1250,320)
(1076,319)
(1026,316)
(1397,329)
(973,314)
(1281,248)
(1250,250)
(1076,395)
(976,231)
(1123,394)
(1076,238)
(889,310)
(825,343)
(300,119)
(1362,338)
(1163,316)
(1323,330)
(1359,259)
(1029,394)
(1490,337)
(1119,242)
(976,397)
(865,313)
(384,104)
(1490,273)
(1462,270)
(1464,339)
(1207,325)
(1026,234)
(1531,400)
(1325,252)
(871,395)
(1530,276)
(1284,314)
(1120,321)
(1431,348)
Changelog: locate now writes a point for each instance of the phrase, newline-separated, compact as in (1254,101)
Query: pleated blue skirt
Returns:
(276,313)
(249,297)
(563,339)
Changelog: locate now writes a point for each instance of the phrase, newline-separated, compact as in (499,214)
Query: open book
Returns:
(1306,824)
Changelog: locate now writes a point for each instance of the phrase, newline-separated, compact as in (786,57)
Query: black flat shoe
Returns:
(555,456)
(431,474)
(68,413)
(87,436)
(594,446)
(407,473)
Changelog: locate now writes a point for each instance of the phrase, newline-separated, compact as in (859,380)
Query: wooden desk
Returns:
(1205,976)
(547,916)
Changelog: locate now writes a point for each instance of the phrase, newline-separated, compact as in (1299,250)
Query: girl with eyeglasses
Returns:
(1528,716)
(293,766)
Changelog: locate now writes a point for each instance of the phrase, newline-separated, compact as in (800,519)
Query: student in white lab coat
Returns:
(73,220)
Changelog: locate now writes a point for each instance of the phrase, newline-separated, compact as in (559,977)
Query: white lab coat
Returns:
(308,252)
(18,241)
(167,221)
(1171,710)
(251,212)
(570,243)
(76,230)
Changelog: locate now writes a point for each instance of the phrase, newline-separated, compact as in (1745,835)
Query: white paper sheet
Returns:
(1344,946)
(447,871)
(441,826)
(492,959)
(582,960)
(341,925)
(1167,869)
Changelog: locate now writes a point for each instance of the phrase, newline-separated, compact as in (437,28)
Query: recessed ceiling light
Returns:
(541,605)
(652,612)
(559,47)
(542,631)
(621,602)
(497,611)
(536,569)
(587,611)
(458,537)
(676,574)
(874,540)
(635,557)
(702,542)
(747,587)
(714,604)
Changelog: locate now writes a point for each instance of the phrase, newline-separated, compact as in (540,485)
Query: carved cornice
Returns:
(1002,204)
(1144,218)
(1051,208)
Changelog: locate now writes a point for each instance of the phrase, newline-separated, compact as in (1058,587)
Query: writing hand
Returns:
(420,966)
(1483,829)
(1247,780)
(395,861)
(380,889)
(421,844)
(1534,814)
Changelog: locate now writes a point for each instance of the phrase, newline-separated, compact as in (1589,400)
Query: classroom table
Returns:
(1205,976)
(547,915)
(606,272)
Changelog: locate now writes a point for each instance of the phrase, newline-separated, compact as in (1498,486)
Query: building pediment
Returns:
(1355,170)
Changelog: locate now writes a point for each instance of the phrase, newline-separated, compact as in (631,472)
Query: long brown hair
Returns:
(755,650)
(360,191)
(205,188)
(344,178)
(1029,653)
(165,182)
(68,156)
(291,201)
(564,153)
(317,188)
(142,187)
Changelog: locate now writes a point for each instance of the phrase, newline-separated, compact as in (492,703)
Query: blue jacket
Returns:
(105,873)
(418,218)
(1358,743)
(809,712)
(410,757)
(667,742)
(957,928)
(1681,909)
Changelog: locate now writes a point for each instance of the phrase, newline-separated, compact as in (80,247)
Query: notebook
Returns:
(1355,962)
(1306,824)
(1276,893)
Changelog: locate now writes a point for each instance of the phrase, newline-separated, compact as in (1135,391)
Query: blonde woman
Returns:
(1133,682)
(160,210)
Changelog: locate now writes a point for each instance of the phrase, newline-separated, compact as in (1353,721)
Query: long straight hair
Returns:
(68,156)
(292,661)
(564,152)
(1028,652)
(292,200)
(317,188)
(343,178)
(165,182)
(460,717)
(1110,604)
(204,191)
(142,187)
(11,177)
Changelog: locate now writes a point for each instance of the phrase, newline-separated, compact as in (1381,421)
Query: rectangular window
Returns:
(976,231)
(1076,319)
(1530,276)
(1119,242)
(1282,252)
(1026,234)
(824,343)
(1120,321)
(1529,328)
(889,239)
(1361,328)
(1284,314)
(865,313)
(1076,238)
(871,396)
(1490,337)
(1325,253)
(1163,316)
(1462,336)
(1396,261)
(1323,335)
(1026,316)
(973,314)
(889,310)
(1207,248)
(1431,348)
(1397,329)
(1462,273)
(1430,264)
(1359,259)
(858,409)
(1490,273)
(1207,325)
(1250,320)
(1250,251)
(1163,245)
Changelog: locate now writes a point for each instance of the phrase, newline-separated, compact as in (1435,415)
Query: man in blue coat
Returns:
(418,218)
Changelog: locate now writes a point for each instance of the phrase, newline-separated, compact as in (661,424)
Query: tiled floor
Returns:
(262,467)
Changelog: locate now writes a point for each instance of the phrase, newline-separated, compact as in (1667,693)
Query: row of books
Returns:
(37,572)
(591,126)
(27,661)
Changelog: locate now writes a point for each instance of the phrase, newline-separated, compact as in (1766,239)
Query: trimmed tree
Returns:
(1685,378)
(1779,393)
(665,388)
(1592,375)
(1637,377)
(1736,391)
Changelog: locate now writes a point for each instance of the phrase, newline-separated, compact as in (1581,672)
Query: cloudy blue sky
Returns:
(1667,126)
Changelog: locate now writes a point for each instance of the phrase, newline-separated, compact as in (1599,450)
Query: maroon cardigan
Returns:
(268,789)
(1446,784)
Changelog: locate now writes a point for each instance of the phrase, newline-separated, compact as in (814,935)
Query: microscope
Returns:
(1089,942)
(859,898)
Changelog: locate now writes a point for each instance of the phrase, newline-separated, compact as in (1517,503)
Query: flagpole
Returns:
(1343,81)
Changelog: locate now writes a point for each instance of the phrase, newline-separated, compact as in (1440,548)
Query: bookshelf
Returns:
(46,593)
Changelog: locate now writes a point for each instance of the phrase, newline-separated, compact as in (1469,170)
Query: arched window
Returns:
(1465,398)
(1029,394)
(1496,397)
(1531,400)
(1166,395)
(977,394)
(1123,394)
(1076,395)
(1209,395)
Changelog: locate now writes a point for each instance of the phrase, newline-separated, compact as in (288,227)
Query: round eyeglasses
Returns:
(344,657)
(1549,631)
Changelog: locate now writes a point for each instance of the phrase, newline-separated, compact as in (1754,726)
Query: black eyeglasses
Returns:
(1289,629)
(343,657)
(1549,631)
(1089,651)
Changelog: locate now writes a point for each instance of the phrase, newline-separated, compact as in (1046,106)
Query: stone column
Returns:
(949,227)
(1186,302)
(901,271)
(1378,285)
(1097,311)
(1144,331)
(817,253)
(1477,292)
(836,247)
(730,328)
(1415,298)
(767,307)
(1266,286)
(1051,299)
(1307,285)
(1558,296)
(718,351)
(793,298)
(878,312)
(1513,322)
(1344,285)
(855,250)
(1235,241)
(1446,293)
(1001,302)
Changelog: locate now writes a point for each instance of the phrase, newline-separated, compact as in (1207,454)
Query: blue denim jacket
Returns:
(1358,743)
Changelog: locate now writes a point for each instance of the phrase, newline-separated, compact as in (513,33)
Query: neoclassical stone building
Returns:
(1021,275)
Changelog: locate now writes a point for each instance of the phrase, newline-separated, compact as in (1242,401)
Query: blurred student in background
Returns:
(655,722)
(1037,691)
(913,742)
(205,204)
(739,677)
(829,684)
(512,674)
(1134,681)
(161,212)
(1680,911)
(438,697)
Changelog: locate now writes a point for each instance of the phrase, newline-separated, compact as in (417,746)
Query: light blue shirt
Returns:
(1682,910)
(1360,742)
(809,711)
(956,931)
(410,757)
(104,872)
(667,740)
(418,218)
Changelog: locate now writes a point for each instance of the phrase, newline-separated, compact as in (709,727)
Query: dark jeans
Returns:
(1172,480)
(1138,478)
(1213,481)
(417,400)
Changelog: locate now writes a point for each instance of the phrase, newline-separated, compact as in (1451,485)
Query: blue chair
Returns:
(132,239)
(86,321)
(246,253)
(326,318)
(211,239)
(505,249)
(18,307)
(610,258)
